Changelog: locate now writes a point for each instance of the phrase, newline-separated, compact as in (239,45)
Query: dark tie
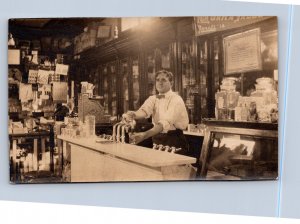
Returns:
(160,96)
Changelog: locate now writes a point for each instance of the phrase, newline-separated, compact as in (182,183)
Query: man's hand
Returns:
(129,116)
(137,137)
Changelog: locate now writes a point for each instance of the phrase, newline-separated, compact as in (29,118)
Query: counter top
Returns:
(133,153)
(193,133)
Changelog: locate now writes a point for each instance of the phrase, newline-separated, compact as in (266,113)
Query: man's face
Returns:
(162,83)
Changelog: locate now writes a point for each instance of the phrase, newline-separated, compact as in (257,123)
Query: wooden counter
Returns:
(107,161)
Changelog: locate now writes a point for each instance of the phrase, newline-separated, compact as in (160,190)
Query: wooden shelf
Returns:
(132,41)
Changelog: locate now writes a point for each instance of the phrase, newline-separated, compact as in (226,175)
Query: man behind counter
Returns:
(169,115)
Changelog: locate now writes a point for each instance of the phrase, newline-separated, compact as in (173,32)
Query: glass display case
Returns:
(150,72)
(113,88)
(136,83)
(158,59)
(95,80)
(217,63)
(165,59)
(109,88)
(239,150)
(202,74)
(105,88)
(195,78)
(124,70)
(190,87)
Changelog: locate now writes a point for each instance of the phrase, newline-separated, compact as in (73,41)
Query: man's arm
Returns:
(140,114)
(141,136)
(154,131)
(144,112)
(134,115)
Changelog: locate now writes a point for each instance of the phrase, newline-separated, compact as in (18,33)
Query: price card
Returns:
(62,69)
(43,76)
(32,76)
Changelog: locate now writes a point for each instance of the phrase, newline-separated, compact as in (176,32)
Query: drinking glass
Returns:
(91,123)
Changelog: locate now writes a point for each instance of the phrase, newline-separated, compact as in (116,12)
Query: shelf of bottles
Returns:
(124,70)
(190,87)
(113,88)
(165,59)
(95,79)
(150,71)
(216,70)
(109,80)
(156,60)
(203,74)
(105,88)
(136,83)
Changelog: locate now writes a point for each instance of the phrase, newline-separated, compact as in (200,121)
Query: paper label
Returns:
(62,69)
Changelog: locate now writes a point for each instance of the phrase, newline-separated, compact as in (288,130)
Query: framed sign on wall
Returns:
(242,52)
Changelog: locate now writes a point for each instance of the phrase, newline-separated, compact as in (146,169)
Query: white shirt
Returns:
(169,111)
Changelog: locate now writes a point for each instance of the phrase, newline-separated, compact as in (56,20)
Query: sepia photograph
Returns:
(142,99)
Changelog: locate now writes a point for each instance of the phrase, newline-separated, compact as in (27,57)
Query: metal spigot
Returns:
(118,132)
(173,149)
(160,147)
(167,148)
(114,135)
(124,127)
(114,132)
(154,146)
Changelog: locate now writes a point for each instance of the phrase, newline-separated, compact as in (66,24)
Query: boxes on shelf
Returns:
(85,40)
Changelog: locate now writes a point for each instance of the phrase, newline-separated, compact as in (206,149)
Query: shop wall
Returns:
(174,38)
(260,198)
